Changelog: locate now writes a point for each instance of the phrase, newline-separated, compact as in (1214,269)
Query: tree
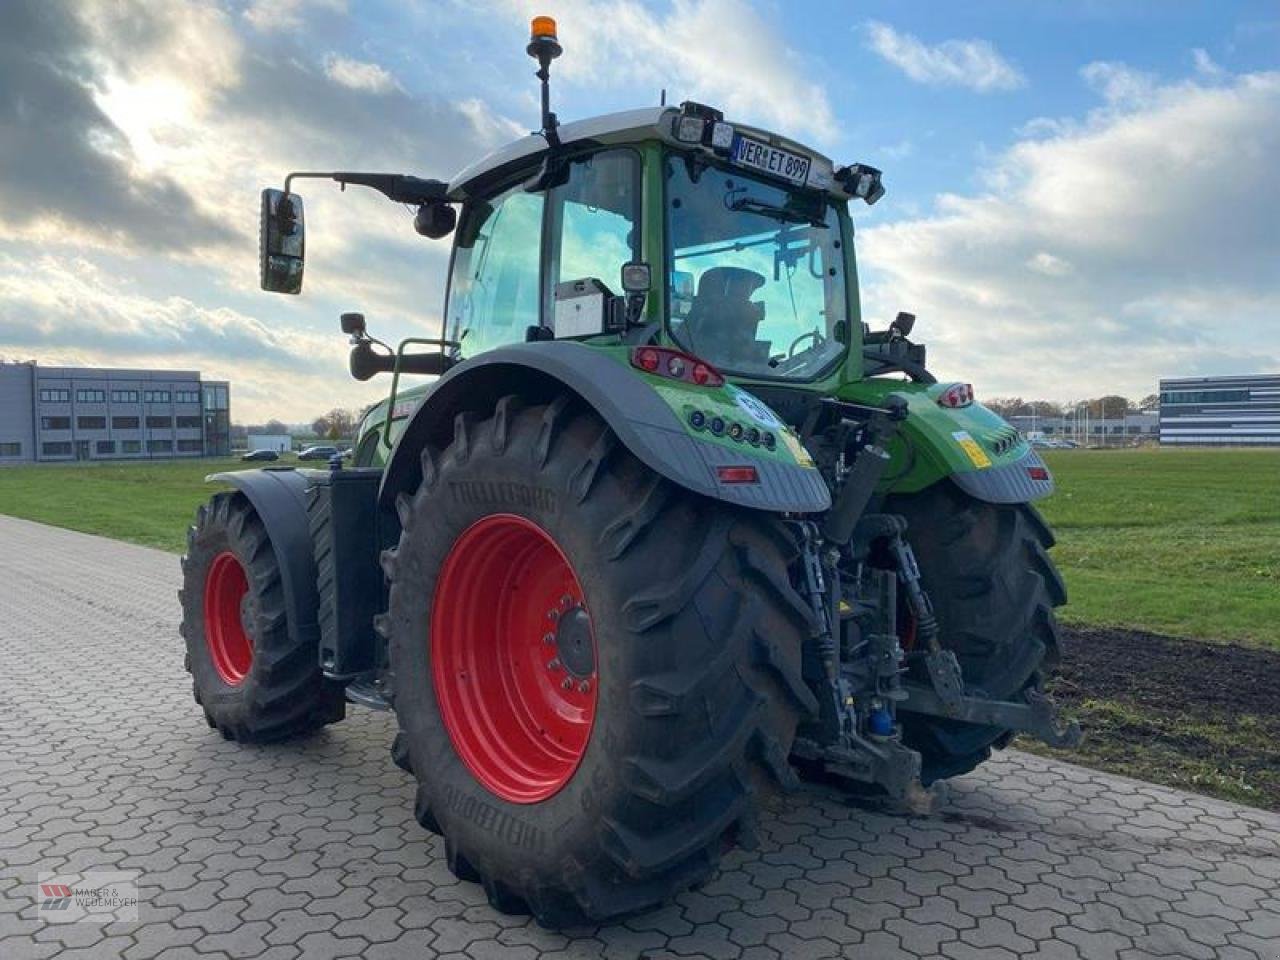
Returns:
(1006,406)
(275,426)
(337,424)
(1111,406)
(1150,403)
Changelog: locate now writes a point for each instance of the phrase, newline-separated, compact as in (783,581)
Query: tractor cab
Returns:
(663,226)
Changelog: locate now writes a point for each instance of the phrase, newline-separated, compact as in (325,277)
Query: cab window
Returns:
(493,291)
(594,218)
(497,286)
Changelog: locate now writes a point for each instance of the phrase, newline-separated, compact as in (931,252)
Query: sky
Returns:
(1082,196)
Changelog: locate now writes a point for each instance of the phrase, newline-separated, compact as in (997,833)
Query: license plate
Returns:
(760,156)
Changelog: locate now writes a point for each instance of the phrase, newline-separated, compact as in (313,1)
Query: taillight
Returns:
(744,474)
(1038,473)
(676,365)
(956,395)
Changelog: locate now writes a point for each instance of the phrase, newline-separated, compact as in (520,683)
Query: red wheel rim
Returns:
(230,648)
(513,658)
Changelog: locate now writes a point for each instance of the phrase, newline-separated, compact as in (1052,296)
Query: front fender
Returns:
(977,449)
(647,414)
(279,498)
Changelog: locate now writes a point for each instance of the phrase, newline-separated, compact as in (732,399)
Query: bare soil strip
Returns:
(1192,714)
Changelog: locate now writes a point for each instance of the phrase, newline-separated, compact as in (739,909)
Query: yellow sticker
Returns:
(797,449)
(977,456)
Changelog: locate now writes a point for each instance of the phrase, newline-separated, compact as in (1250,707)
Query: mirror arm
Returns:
(398,187)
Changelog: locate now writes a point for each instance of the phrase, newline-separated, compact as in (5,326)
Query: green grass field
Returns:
(147,503)
(1181,542)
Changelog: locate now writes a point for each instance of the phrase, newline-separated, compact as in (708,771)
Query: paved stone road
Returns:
(310,849)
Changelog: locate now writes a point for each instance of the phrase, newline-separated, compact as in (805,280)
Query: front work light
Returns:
(722,136)
(860,180)
(688,129)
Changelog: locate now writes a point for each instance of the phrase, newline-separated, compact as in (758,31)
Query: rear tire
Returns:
(254,682)
(994,589)
(697,685)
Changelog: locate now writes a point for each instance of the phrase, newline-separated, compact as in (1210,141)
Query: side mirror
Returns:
(636,277)
(903,323)
(352,324)
(281,242)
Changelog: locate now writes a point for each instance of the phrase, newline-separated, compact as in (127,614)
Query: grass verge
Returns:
(148,503)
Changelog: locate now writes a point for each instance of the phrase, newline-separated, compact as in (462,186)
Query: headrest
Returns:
(729,283)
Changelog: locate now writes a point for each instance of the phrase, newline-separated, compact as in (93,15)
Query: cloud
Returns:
(65,168)
(134,139)
(974,64)
(492,128)
(1205,64)
(1051,266)
(272,16)
(1117,83)
(75,312)
(721,52)
(76,301)
(359,74)
(1135,243)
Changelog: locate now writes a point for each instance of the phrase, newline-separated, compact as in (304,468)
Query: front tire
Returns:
(994,589)
(254,682)
(679,688)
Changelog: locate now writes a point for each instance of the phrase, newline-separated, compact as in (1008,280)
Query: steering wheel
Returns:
(813,335)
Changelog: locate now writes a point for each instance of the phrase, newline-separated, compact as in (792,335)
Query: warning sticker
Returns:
(977,456)
(792,443)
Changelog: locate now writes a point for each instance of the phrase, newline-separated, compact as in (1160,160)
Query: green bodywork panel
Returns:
(935,441)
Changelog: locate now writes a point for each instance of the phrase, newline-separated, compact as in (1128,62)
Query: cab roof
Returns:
(627,126)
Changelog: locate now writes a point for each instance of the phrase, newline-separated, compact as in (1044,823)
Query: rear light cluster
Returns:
(676,365)
(957,395)
(720,427)
(1038,473)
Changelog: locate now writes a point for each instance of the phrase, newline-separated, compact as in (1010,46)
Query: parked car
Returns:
(318,453)
(261,455)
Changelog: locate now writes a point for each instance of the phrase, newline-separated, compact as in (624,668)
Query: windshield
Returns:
(756,278)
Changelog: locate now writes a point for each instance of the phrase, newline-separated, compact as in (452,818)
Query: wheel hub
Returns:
(575,645)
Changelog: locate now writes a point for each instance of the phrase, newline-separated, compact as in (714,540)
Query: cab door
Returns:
(511,250)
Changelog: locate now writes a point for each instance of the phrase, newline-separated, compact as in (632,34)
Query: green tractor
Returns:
(671,528)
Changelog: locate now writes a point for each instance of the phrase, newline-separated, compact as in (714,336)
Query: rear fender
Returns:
(972,446)
(644,412)
(278,496)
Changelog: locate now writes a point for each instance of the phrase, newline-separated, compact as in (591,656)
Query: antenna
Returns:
(662,100)
(544,47)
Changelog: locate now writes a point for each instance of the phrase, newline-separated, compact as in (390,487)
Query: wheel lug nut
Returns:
(584,686)
(553,664)
(566,601)
(553,614)
(548,638)
(567,683)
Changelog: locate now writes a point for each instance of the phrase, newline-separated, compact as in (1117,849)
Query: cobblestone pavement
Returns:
(310,849)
